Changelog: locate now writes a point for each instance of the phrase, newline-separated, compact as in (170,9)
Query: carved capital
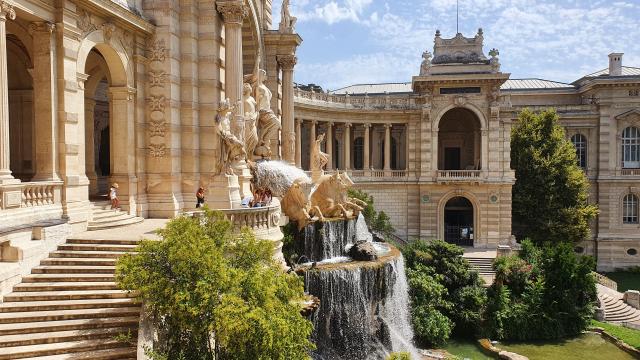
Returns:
(366,126)
(233,11)
(287,62)
(82,78)
(41,27)
(7,11)
(388,126)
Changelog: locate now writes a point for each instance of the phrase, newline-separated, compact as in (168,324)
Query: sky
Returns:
(349,42)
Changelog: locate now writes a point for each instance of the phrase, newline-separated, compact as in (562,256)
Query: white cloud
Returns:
(329,12)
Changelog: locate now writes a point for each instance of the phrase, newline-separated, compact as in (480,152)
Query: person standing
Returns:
(200,197)
(113,196)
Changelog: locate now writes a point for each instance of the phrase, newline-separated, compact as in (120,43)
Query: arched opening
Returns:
(459,140)
(358,153)
(98,152)
(458,221)
(21,110)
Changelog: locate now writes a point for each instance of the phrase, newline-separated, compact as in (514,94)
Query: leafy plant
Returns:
(399,356)
(378,221)
(218,295)
(551,191)
(447,297)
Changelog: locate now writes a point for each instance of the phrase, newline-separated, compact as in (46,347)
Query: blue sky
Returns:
(369,41)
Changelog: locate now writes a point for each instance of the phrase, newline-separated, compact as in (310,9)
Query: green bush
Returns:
(377,221)
(217,294)
(447,297)
(549,296)
(399,356)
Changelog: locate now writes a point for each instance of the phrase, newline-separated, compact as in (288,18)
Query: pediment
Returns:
(632,114)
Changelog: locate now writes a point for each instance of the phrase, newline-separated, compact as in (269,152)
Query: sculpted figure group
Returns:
(328,200)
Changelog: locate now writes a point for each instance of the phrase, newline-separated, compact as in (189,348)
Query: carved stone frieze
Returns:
(233,11)
(157,150)
(41,26)
(85,22)
(108,29)
(157,103)
(156,50)
(157,78)
(157,127)
(287,62)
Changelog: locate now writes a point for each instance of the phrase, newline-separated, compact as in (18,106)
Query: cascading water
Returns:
(364,305)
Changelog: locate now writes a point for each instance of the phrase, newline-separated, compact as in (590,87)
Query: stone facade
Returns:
(462,100)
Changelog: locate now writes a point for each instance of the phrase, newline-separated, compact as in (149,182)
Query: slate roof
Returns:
(626,71)
(391,88)
(534,84)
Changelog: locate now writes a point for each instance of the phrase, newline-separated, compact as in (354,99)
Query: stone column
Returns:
(387,147)
(312,141)
(299,143)
(347,146)
(329,147)
(43,99)
(233,11)
(6,11)
(367,161)
(287,62)
(90,147)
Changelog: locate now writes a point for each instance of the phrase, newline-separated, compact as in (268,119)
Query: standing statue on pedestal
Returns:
(250,118)
(318,158)
(231,148)
(268,121)
(287,22)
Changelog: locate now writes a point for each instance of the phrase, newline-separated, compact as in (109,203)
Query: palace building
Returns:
(97,92)
(435,152)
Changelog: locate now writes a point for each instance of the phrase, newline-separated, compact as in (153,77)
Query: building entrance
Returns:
(458,222)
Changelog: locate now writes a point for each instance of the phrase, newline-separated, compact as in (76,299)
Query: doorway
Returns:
(458,222)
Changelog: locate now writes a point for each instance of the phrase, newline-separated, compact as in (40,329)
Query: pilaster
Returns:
(6,12)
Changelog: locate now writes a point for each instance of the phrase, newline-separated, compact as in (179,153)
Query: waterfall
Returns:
(364,308)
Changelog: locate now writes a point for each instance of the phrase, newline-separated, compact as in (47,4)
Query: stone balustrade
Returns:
(605,281)
(459,175)
(30,194)
(373,175)
(381,102)
(628,172)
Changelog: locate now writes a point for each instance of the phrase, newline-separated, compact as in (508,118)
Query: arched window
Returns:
(358,153)
(630,209)
(580,142)
(631,147)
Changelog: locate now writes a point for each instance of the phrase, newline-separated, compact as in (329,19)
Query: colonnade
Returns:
(349,132)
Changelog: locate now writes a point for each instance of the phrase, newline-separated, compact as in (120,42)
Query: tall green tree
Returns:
(216,294)
(551,191)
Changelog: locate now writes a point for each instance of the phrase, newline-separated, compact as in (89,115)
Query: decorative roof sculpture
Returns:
(459,49)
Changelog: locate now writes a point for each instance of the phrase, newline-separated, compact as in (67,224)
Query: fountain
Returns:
(364,305)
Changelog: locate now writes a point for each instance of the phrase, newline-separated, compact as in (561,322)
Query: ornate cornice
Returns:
(287,62)
(41,26)
(233,11)
(7,11)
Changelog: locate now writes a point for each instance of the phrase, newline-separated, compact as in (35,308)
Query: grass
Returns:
(626,280)
(629,336)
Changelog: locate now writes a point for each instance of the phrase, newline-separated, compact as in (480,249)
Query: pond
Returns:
(588,346)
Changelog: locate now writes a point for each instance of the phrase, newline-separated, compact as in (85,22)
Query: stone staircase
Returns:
(70,307)
(615,309)
(484,267)
(103,217)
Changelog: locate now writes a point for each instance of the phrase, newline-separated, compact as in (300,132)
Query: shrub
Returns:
(377,221)
(447,297)
(399,356)
(549,296)
(217,294)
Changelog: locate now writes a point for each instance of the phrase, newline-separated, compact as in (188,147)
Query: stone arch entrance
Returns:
(107,103)
(460,140)
(459,221)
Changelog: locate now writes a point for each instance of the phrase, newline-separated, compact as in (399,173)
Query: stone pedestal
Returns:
(244,179)
(223,192)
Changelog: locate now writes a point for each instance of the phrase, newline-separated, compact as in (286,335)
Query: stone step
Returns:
(58,315)
(125,222)
(103,241)
(126,353)
(85,254)
(66,295)
(25,306)
(79,261)
(73,277)
(60,336)
(107,219)
(67,325)
(60,269)
(66,348)
(104,214)
(65,286)
(97,247)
